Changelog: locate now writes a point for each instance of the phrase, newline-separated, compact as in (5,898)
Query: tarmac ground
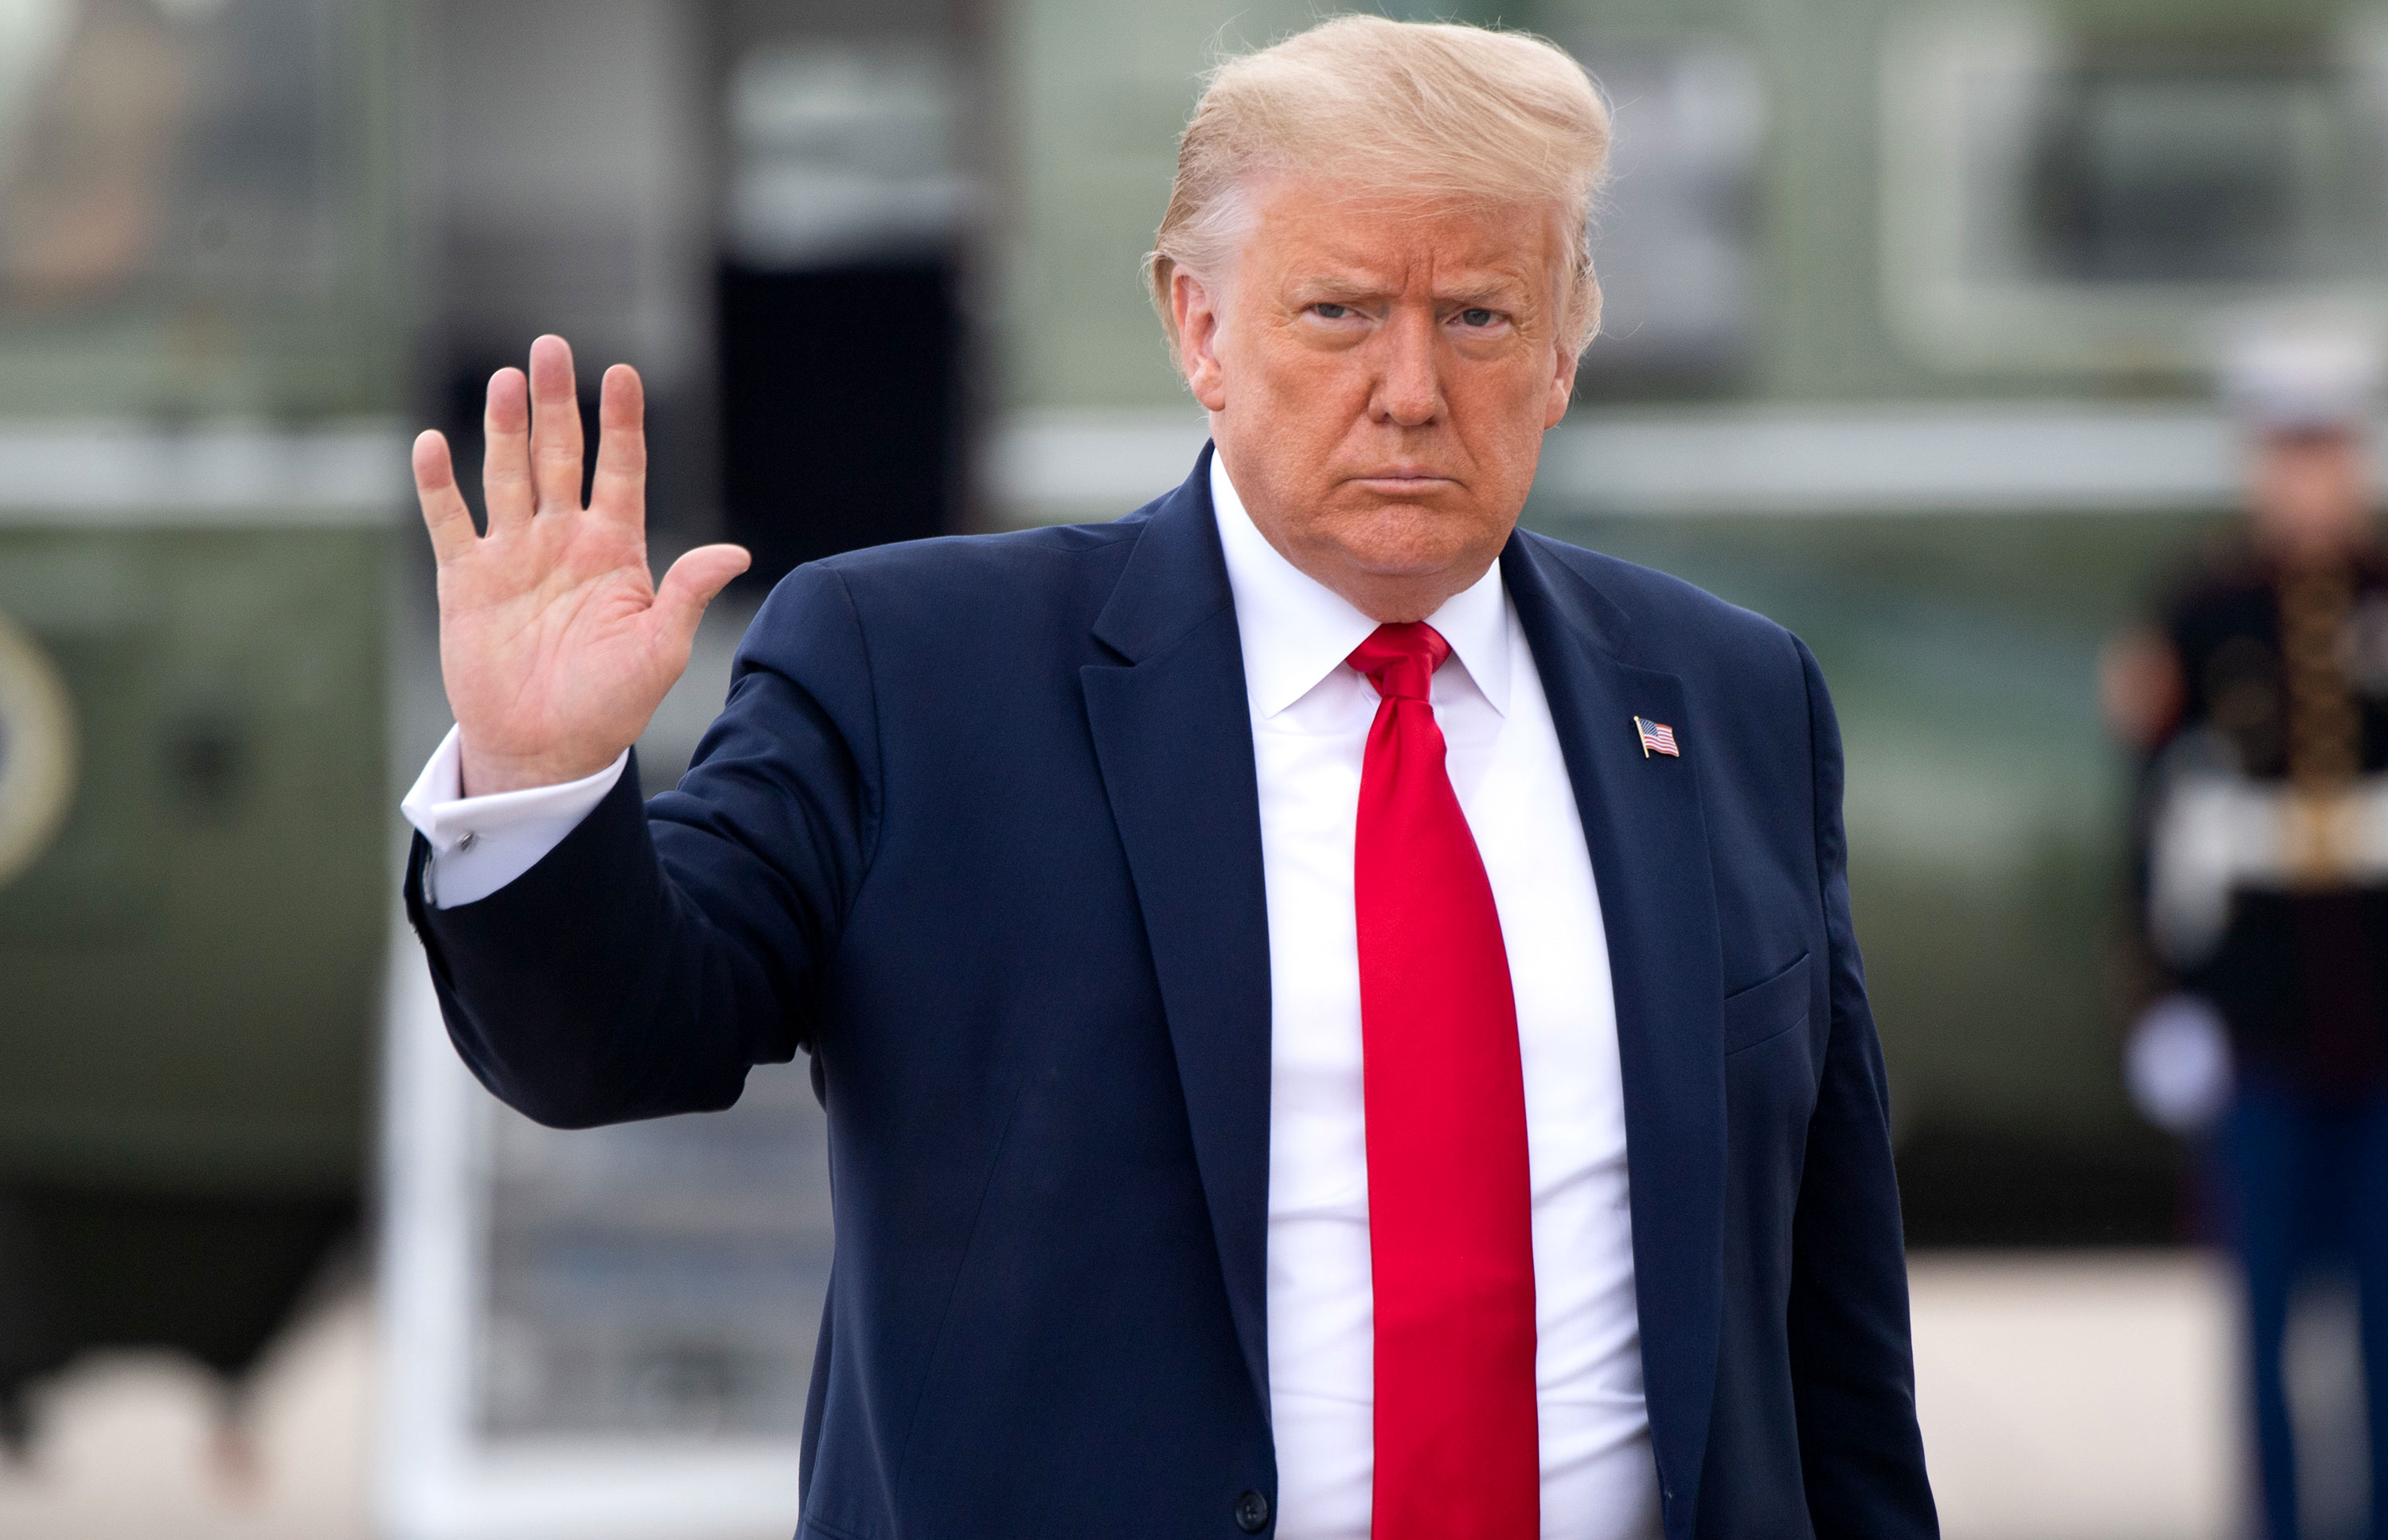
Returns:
(2064,1396)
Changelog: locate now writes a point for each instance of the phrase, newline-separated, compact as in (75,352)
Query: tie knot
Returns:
(1400,660)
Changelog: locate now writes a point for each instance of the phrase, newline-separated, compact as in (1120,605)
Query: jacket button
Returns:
(1252,1512)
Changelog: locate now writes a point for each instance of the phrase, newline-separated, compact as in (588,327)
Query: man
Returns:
(2259,704)
(1337,1017)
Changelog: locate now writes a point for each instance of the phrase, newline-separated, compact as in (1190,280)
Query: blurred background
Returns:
(1913,317)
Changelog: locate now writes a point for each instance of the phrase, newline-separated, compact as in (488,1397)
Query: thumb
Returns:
(692,584)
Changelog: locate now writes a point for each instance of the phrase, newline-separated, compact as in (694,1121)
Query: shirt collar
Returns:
(1296,630)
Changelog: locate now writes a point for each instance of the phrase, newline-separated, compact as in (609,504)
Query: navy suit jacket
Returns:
(978,827)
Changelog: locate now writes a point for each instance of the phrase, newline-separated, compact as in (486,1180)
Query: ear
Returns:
(1562,387)
(1196,311)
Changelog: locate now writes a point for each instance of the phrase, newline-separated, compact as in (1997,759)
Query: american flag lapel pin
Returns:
(1657,737)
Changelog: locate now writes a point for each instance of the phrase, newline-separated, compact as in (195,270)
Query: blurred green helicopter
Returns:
(199,358)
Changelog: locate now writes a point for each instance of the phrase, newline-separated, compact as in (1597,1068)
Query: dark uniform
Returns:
(2285,680)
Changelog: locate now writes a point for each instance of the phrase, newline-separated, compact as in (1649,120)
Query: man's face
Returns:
(2312,492)
(1379,375)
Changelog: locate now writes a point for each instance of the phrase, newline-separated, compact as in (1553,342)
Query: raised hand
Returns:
(555,642)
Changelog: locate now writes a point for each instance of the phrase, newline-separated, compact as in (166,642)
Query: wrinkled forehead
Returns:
(1313,231)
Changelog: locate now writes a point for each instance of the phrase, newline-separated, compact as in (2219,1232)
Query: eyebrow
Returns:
(1486,291)
(1476,291)
(1336,283)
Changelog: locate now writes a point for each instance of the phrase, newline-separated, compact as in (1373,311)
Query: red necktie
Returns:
(1450,1203)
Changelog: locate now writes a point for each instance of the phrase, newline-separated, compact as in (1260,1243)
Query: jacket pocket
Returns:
(819,1529)
(1768,1009)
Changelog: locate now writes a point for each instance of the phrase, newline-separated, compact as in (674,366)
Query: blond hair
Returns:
(1400,108)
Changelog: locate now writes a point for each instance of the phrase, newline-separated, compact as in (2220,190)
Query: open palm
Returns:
(555,642)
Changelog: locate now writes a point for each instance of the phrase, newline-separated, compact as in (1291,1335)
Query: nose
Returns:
(1409,384)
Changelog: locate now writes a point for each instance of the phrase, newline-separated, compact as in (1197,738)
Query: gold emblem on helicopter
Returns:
(37,751)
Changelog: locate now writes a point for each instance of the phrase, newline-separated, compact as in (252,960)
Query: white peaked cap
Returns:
(2284,379)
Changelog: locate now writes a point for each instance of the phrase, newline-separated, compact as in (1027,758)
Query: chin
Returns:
(1407,534)
(1403,553)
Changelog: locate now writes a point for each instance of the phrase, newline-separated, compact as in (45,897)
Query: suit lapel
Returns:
(1649,852)
(1172,734)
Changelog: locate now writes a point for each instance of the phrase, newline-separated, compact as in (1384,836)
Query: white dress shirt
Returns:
(1310,716)
(479,844)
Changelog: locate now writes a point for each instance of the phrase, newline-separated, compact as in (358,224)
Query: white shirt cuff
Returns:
(479,844)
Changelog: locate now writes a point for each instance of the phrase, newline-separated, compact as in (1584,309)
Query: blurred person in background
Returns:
(1086,863)
(2258,703)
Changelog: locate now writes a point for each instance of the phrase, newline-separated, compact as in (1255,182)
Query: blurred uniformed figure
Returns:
(2260,703)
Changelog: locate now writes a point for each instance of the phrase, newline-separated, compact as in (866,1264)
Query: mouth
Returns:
(1403,481)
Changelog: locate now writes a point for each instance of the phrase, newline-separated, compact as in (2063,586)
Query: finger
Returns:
(692,584)
(444,513)
(505,451)
(554,427)
(617,491)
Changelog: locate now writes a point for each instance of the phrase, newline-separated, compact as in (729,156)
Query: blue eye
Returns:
(1329,310)
(1476,315)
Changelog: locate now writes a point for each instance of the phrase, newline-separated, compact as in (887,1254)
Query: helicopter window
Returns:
(168,149)
(2054,200)
(2174,173)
